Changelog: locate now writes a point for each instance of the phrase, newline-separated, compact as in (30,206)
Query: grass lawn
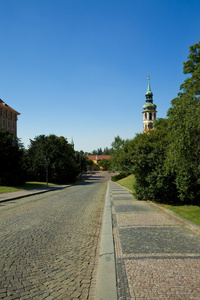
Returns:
(26,186)
(190,212)
(127,182)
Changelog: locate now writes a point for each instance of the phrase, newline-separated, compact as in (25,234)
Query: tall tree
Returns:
(192,67)
(152,182)
(106,151)
(117,146)
(11,162)
(63,165)
(183,157)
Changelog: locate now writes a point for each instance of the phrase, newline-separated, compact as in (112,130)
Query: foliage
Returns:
(183,158)
(89,162)
(152,183)
(125,156)
(99,151)
(104,163)
(119,176)
(82,160)
(63,166)
(192,67)
(117,146)
(11,163)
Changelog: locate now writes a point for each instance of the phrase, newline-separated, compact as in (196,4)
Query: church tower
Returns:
(149,110)
(72,143)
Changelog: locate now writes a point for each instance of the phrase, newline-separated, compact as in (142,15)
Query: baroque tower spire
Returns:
(149,110)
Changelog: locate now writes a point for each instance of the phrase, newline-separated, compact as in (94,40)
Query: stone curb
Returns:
(106,287)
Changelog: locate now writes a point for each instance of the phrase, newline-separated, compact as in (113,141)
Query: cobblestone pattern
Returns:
(157,256)
(49,244)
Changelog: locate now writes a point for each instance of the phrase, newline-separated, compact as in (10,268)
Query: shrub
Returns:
(121,175)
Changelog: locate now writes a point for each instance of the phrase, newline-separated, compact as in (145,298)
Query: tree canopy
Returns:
(63,165)
(11,162)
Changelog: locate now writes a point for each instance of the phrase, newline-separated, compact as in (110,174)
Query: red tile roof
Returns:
(98,157)
(4,105)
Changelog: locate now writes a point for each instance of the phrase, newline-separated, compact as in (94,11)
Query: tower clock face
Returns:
(150,125)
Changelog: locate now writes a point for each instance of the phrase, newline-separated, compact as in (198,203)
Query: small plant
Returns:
(119,176)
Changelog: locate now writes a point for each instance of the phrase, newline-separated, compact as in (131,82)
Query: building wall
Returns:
(8,118)
(96,159)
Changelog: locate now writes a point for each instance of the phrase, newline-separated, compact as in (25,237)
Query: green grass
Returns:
(27,186)
(189,212)
(127,182)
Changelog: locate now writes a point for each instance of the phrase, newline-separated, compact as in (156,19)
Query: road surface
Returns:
(49,242)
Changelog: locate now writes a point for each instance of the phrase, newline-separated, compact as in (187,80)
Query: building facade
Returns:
(149,110)
(96,159)
(8,118)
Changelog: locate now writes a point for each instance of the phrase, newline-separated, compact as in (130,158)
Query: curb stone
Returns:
(106,287)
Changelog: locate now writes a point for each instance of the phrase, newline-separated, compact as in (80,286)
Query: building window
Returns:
(150,116)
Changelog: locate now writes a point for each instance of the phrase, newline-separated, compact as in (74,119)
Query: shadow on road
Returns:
(98,177)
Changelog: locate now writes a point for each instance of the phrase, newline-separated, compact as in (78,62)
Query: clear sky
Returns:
(79,68)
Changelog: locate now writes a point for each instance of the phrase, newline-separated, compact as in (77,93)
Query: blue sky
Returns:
(79,68)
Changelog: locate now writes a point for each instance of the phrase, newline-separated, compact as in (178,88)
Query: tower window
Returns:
(150,116)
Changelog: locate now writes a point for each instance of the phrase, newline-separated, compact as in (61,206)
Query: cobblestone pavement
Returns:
(49,242)
(157,255)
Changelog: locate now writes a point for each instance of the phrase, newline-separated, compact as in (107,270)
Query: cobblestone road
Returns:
(49,242)
(157,256)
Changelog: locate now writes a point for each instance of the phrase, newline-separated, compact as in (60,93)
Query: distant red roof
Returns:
(98,157)
(4,105)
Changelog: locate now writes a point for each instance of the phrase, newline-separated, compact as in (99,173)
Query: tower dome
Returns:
(149,106)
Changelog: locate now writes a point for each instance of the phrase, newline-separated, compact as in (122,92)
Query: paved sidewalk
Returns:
(25,193)
(157,255)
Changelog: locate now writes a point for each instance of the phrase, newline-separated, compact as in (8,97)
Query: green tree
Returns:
(126,156)
(192,67)
(152,182)
(117,146)
(12,160)
(63,166)
(104,163)
(106,151)
(99,151)
(183,159)
(89,163)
